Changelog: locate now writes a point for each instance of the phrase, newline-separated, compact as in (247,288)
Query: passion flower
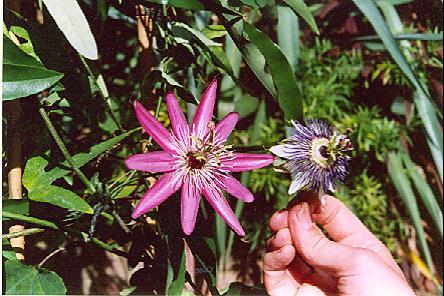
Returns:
(317,156)
(195,159)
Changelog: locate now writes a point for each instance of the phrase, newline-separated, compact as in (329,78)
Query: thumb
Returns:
(316,249)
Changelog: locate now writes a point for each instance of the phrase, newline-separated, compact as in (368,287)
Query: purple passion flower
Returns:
(195,159)
(316,156)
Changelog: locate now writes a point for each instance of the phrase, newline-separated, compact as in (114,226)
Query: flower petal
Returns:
(235,188)
(159,192)
(222,208)
(158,161)
(281,151)
(296,185)
(241,162)
(177,118)
(190,198)
(153,127)
(204,112)
(226,125)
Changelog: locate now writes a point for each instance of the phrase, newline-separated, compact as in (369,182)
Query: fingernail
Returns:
(304,217)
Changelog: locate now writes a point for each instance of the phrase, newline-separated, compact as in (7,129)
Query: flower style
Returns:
(317,156)
(194,159)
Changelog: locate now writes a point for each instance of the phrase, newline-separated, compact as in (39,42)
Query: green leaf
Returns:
(16,206)
(425,192)
(35,175)
(288,93)
(72,22)
(60,197)
(301,8)
(214,31)
(29,280)
(178,282)
(7,250)
(402,184)
(22,74)
(412,36)
(288,35)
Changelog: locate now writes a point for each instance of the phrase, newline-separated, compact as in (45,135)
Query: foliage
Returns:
(76,73)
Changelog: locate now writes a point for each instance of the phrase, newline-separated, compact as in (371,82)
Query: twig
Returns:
(65,151)
(50,255)
(25,232)
(53,226)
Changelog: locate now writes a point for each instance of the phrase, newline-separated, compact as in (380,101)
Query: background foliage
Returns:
(373,68)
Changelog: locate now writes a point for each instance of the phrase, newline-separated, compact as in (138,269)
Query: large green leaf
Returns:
(402,184)
(288,35)
(60,197)
(22,74)
(301,8)
(29,280)
(72,22)
(288,93)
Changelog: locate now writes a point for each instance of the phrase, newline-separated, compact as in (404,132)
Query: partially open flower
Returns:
(317,156)
(195,159)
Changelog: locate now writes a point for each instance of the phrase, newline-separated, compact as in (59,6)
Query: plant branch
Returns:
(65,151)
(54,226)
(25,232)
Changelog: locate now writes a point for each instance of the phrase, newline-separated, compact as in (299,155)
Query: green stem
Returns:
(25,232)
(64,151)
(53,226)
(104,97)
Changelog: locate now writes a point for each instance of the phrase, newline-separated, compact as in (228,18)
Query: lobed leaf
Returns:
(29,280)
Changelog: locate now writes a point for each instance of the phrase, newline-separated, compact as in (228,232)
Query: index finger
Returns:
(344,227)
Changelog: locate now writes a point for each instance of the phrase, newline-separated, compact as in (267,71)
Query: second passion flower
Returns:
(195,159)
(317,156)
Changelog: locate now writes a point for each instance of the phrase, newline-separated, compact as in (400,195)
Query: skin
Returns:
(301,260)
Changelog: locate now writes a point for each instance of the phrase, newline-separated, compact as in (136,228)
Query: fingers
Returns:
(276,279)
(280,239)
(316,249)
(344,227)
(340,222)
(279,220)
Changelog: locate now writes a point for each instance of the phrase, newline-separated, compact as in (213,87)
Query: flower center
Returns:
(196,160)
(320,152)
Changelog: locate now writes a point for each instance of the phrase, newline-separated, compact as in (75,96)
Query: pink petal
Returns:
(178,121)
(153,127)
(235,188)
(190,198)
(159,161)
(226,125)
(242,162)
(204,112)
(159,192)
(222,208)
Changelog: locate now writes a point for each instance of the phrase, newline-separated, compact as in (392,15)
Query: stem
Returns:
(53,226)
(65,152)
(14,160)
(25,232)
(105,98)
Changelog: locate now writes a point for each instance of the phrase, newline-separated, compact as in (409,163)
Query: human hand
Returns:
(301,260)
